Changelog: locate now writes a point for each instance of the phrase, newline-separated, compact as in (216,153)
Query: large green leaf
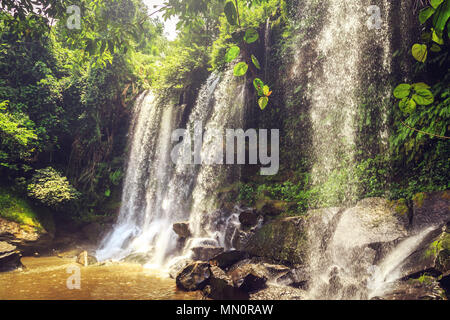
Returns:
(231,13)
(425,14)
(232,53)
(420,52)
(423,97)
(251,35)
(240,69)
(420,86)
(407,106)
(402,91)
(256,62)
(441,17)
(263,101)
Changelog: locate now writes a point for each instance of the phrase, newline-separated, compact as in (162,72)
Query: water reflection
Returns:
(46,279)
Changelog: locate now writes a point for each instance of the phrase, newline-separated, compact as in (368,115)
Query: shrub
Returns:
(51,189)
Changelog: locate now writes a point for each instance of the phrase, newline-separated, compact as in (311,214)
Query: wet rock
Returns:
(431,209)
(372,220)
(176,267)
(85,259)
(226,259)
(221,287)
(27,239)
(194,277)
(424,288)
(93,232)
(297,278)
(182,229)
(9,257)
(248,218)
(281,240)
(248,278)
(432,256)
(206,253)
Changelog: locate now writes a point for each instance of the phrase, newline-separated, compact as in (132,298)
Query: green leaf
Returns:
(256,62)
(251,35)
(259,85)
(263,101)
(436,38)
(231,13)
(402,91)
(420,86)
(420,52)
(436,3)
(435,48)
(441,17)
(423,97)
(232,53)
(407,106)
(108,193)
(425,14)
(240,69)
(266,90)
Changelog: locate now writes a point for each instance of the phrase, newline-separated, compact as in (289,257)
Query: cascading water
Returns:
(341,66)
(157,192)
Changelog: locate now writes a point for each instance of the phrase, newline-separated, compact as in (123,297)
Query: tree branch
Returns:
(423,132)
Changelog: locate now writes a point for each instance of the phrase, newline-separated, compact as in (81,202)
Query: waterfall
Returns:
(339,83)
(158,193)
(352,257)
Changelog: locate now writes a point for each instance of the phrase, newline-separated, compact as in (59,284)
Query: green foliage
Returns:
(48,187)
(15,208)
(17,138)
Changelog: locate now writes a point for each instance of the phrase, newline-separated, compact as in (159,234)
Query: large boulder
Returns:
(372,220)
(281,240)
(249,278)
(182,229)
(221,287)
(423,288)
(205,253)
(431,209)
(226,259)
(194,277)
(432,255)
(9,257)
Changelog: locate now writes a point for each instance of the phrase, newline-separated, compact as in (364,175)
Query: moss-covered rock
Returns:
(281,240)
(431,209)
(432,256)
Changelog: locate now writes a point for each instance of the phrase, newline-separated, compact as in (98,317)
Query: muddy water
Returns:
(46,279)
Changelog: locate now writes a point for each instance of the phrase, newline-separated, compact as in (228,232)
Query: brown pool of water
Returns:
(47,278)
